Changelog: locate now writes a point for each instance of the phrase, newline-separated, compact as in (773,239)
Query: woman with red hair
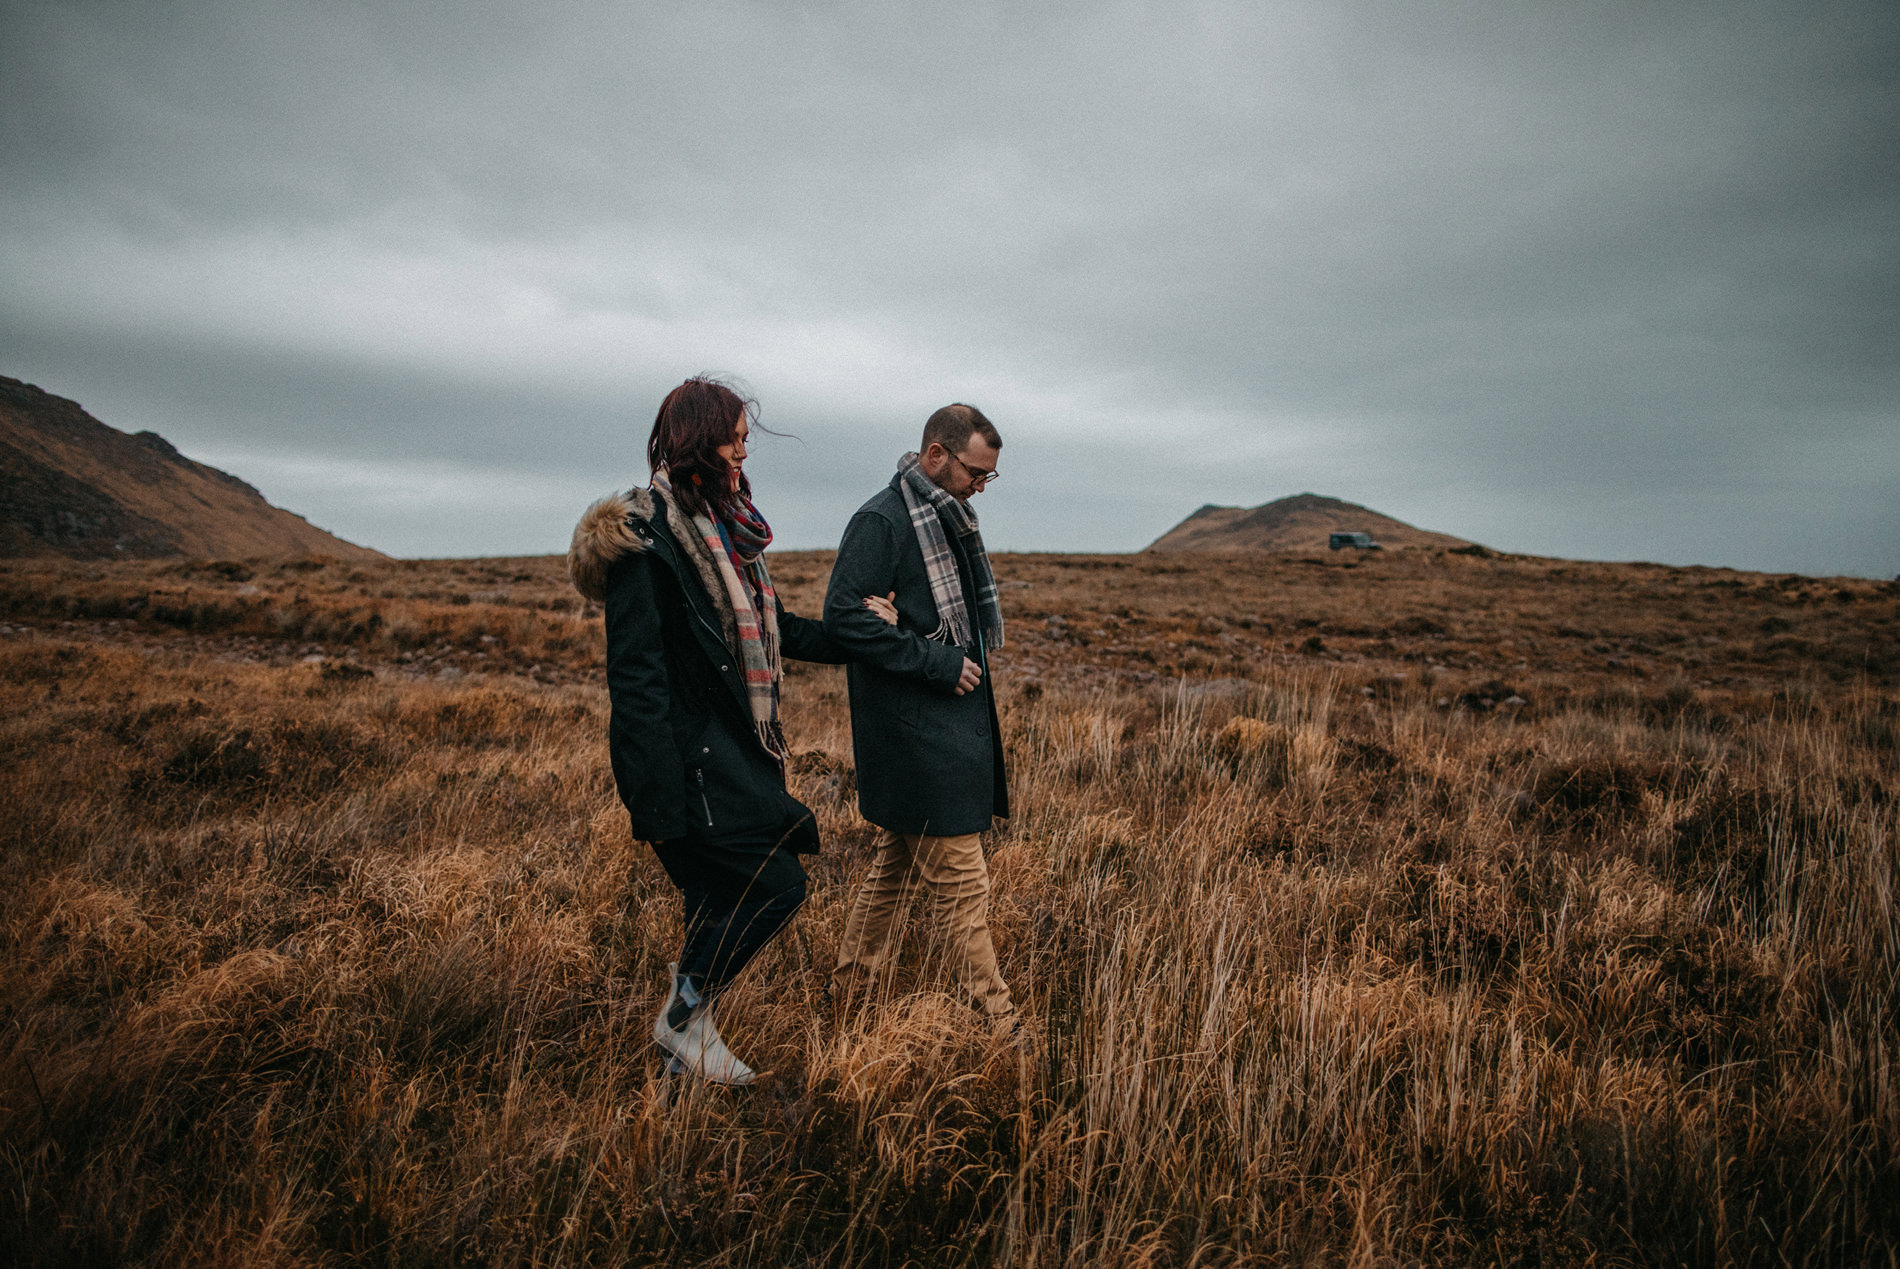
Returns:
(695,637)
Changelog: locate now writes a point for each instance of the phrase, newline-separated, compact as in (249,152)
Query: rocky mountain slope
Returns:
(71,486)
(1301,522)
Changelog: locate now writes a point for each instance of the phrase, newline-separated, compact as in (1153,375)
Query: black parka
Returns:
(686,755)
(929,761)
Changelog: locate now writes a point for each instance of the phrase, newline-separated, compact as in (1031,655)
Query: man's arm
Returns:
(867,565)
(647,767)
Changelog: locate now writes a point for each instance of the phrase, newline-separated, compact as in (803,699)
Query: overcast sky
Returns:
(1612,281)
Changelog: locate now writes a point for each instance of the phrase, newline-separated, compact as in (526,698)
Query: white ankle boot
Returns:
(696,1049)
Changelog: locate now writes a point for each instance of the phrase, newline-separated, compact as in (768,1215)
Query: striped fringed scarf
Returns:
(738,552)
(930,509)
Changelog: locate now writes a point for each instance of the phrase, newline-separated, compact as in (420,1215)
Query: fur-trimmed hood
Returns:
(606,533)
(603,536)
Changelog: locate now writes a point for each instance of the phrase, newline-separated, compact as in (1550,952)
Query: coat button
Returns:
(704,749)
(724,668)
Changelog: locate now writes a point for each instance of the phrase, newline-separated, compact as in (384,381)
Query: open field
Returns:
(1418,908)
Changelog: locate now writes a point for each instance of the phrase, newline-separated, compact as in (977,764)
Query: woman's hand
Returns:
(885,607)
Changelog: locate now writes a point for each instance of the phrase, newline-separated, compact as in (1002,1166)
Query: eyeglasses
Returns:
(978,476)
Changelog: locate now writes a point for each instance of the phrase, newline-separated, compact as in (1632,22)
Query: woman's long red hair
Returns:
(694,421)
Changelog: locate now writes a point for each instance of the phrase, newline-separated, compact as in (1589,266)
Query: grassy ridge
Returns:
(323,940)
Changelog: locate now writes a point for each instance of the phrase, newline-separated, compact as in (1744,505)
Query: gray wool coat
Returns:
(929,761)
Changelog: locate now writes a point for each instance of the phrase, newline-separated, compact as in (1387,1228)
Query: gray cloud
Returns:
(1610,280)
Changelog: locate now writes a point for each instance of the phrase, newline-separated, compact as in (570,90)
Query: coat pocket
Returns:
(732,785)
(697,785)
(793,828)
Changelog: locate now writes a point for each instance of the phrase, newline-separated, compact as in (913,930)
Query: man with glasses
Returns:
(923,720)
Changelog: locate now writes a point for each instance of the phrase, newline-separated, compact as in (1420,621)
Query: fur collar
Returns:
(607,532)
(603,536)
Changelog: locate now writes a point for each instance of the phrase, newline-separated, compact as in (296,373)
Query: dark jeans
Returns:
(737,898)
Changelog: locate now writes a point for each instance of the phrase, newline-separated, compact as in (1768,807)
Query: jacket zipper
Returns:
(694,608)
(699,773)
(699,779)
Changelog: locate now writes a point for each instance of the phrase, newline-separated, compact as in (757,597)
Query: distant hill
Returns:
(1299,523)
(71,486)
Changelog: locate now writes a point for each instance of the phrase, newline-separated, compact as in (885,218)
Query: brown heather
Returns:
(1431,908)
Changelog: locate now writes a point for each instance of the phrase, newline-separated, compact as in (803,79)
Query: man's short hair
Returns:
(952,427)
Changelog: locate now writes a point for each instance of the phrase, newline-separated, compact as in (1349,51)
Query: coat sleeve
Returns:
(867,565)
(804,639)
(646,762)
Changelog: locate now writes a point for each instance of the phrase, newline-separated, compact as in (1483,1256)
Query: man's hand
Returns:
(971,676)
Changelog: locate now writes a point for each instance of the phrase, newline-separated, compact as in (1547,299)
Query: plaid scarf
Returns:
(738,553)
(747,530)
(930,510)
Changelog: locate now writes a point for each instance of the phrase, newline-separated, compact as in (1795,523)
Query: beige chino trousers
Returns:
(957,876)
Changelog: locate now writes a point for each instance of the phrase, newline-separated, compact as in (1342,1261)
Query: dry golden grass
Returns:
(322,938)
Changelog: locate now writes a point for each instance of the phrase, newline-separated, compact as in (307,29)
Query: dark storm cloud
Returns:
(1604,280)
